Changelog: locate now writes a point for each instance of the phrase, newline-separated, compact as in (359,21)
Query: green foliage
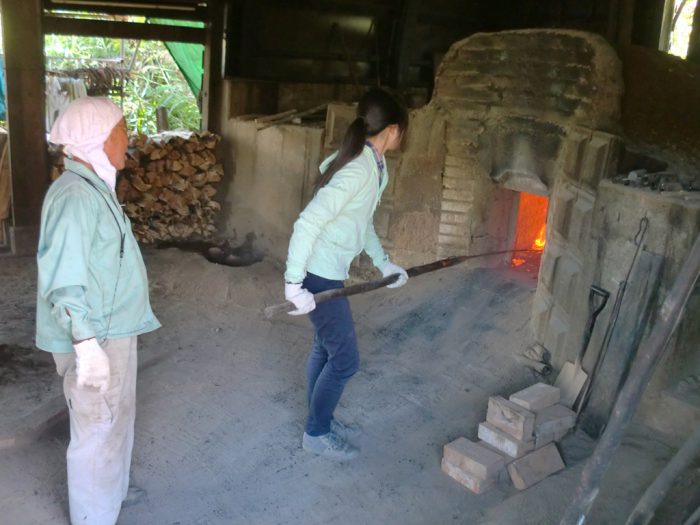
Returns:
(680,35)
(155,79)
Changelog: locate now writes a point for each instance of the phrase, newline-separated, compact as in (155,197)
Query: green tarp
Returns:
(3,114)
(188,57)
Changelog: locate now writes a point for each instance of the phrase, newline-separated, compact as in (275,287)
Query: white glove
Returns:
(301,297)
(92,365)
(390,269)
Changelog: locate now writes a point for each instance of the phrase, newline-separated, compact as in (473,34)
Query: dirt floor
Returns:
(221,406)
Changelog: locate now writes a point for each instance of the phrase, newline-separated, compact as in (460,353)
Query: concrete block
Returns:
(511,418)
(544,439)
(506,458)
(456,206)
(504,442)
(536,397)
(452,240)
(536,466)
(476,485)
(452,218)
(454,229)
(554,419)
(457,195)
(473,458)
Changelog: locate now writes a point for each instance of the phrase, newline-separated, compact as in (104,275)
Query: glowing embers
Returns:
(530,231)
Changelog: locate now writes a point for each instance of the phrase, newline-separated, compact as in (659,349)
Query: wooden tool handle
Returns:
(355,289)
(322,297)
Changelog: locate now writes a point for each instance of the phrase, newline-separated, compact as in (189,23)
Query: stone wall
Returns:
(539,111)
(674,223)
(270,171)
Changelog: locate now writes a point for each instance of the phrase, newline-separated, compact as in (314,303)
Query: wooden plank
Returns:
(129,30)
(694,42)
(5,196)
(636,308)
(24,52)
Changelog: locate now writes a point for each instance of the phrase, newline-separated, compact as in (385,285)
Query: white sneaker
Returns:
(342,430)
(329,446)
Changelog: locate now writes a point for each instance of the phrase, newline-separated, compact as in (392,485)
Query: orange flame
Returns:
(540,240)
(517,262)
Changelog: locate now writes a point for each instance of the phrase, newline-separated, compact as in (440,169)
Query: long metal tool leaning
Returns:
(359,288)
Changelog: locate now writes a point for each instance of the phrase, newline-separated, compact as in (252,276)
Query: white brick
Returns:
(452,240)
(455,206)
(476,485)
(504,442)
(544,439)
(457,195)
(511,418)
(535,467)
(473,458)
(558,436)
(453,218)
(536,397)
(458,183)
(459,230)
(506,458)
(554,420)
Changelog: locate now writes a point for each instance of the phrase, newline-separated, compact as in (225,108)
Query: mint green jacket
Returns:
(85,288)
(336,225)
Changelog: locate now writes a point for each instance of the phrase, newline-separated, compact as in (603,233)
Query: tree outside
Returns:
(682,26)
(154,80)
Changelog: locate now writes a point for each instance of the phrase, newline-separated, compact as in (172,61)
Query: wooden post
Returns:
(694,44)
(625,23)
(405,33)
(666,21)
(24,62)
(648,356)
(212,86)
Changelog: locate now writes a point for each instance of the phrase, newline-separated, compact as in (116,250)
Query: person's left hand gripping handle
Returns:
(301,297)
(92,365)
(390,269)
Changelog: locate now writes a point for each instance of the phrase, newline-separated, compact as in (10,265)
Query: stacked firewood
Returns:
(167,186)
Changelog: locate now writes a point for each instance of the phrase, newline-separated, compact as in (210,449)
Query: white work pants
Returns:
(101,435)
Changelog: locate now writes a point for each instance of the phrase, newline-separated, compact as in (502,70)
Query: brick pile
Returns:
(518,437)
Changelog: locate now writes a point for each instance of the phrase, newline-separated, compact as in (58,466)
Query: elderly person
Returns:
(92,303)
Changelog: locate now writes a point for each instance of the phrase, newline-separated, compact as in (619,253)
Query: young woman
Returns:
(331,231)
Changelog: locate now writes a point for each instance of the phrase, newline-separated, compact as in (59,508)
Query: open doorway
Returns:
(677,26)
(530,231)
(140,75)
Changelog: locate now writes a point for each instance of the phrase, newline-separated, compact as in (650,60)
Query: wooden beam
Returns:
(212,85)
(24,65)
(129,30)
(337,7)
(196,14)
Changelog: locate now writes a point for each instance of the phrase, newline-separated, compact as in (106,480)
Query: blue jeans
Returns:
(334,358)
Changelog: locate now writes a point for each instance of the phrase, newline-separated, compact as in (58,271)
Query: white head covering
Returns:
(83,127)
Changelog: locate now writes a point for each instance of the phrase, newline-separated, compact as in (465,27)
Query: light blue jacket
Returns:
(337,224)
(85,287)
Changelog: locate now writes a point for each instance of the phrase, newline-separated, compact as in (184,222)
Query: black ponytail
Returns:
(376,110)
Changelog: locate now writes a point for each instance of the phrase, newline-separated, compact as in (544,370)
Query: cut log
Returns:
(167,185)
